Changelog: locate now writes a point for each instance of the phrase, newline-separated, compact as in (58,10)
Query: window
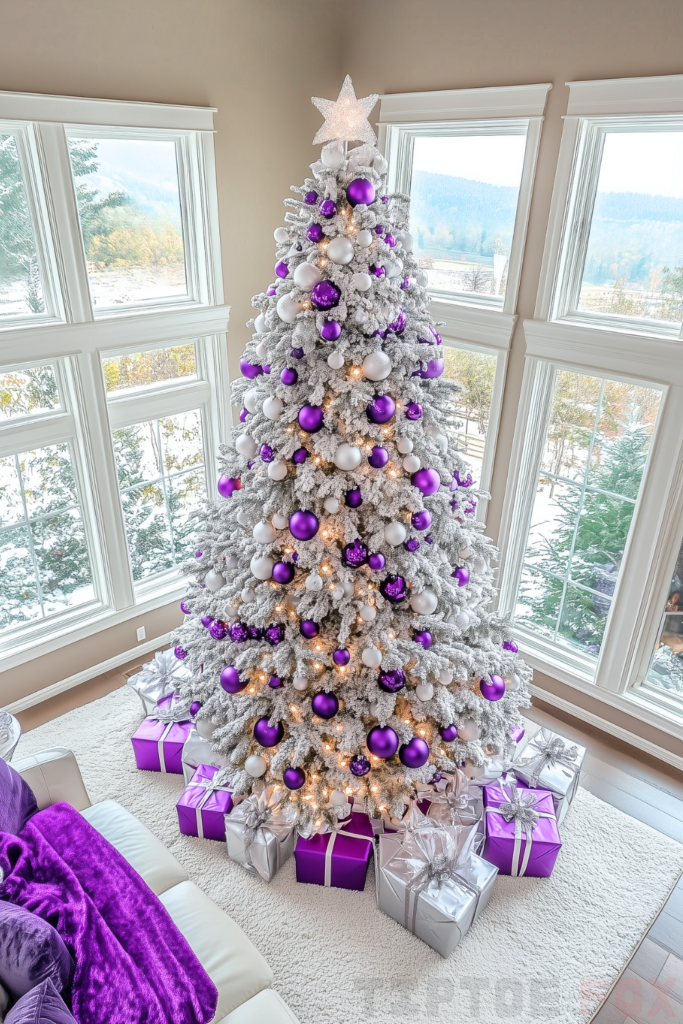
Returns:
(475,372)
(665,671)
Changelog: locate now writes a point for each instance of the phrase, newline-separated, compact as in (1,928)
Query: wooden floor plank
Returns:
(637,808)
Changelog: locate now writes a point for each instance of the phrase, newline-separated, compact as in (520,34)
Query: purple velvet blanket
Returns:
(132,964)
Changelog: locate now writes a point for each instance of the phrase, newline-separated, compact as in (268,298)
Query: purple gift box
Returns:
(337,858)
(158,746)
(521,831)
(202,809)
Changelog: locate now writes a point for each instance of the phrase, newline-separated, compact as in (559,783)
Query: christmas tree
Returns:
(336,624)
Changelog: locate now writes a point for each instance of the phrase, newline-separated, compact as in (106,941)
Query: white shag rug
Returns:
(545,950)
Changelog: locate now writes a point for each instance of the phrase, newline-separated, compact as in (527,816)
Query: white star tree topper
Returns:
(346,118)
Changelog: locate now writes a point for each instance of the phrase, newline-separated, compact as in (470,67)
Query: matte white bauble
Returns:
(255,766)
(377,366)
(424,691)
(340,250)
(248,595)
(264,533)
(260,324)
(251,400)
(333,155)
(288,309)
(262,567)
(380,164)
(337,593)
(424,603)
(404,445)
(281,235)
(243,517)
(348,588)
(469,731)
(272,408)
(205,728)
(231,562)
(338,799)
(422,279)
(406,240)
(246,446)
(214,580)
(314,582)
(299,682)
(277,469)
(411,463)
(462,620)
(513,683)
(478,564)
(360,316)
(465,552)
(279,522)
(361,281)
(394,534)
(364,238)
(393,270)
(335,360)
(262,350)
(306,276)
(445,677)
(331,505)
(473,771)
(371,657)
(367,613)
(347,457)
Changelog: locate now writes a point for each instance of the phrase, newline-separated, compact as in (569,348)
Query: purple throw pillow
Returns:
(42,1005)
(17,802)
(31,951)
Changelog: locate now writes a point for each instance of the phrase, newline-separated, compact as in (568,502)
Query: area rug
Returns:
(545,949)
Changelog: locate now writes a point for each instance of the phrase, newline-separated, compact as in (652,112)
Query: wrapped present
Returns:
(453,801)
(413,817)
(338,857)
(158,741)
(260,832)
(547,761)
(204,804)
(521,831)
(196,751)
(157,679)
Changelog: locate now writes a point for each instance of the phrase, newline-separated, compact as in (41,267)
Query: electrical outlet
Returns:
(141,635)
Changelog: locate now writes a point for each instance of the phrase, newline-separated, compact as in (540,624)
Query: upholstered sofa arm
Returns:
(54,775)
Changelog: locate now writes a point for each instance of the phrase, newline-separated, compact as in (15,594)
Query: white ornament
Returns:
(264,533)
(260,324)
(246,446)
(374,709)
(281,235)
(248,595)
(347,457)
(404,445)
(422,279)
(272,408)
(367,613)
(473,771)
(462,620)
(300,682)
(231,562)
(306,276)
(464,552)
(469,731)
(393,270)
(424,603)
(338,799)
(214,580)
(262,350)
(380,164)
(331,505)
(340,250)
(478,564)
(377,366)
(445,677)
(262,567)
(364,238)
(346,118)
(335,360)
(361,281)
(288,308)
(205,728)
(348,588)
(255,766)
(251,400)
(314,582)
(411,463)
(333,155)
(279,521)
(424,691)
(277,469)
(405,239)
(371,657)
(243,518)
(394,534)
(337,593)
(513,683)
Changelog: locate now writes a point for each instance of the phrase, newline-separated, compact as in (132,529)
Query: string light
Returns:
(317,665)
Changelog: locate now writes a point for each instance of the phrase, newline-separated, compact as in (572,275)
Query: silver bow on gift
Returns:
(457,803)
(552,751)
(158,678)
(260,832)
(178,710)
(412,819)
(210,786)
(438,849)
(520,807)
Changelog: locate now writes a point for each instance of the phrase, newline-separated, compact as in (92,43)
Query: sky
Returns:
(493,159)
(650,163)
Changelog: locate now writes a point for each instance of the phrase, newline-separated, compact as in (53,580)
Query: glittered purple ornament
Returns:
(239,632)
(303,525)
(354,554)
(180,653)
(325,705)
(382,741)
(275,633)
(398,326)
(294,778)
(300,456)
(424,637)
(341,656)
(393,588)
(390,240)
(297,353)
(429,540)
(405,284)
(274,682)
(415,753)
(432,369)
(309,629)
(250,370)
(243,415)
(315,233)
(377,270)
(426,480)
(218,630)
(311,418)
(508,645)
(230,680)
(493,690)
(448,733)
(462,575)
(283,572)
(289,376)
(381,409)
(391,681)
(413,411)
(267,453)
(379,229)
(206,621)
(412,544)
(462,481)
(254,633)
(376,561)
(325,295)
(360,191)
(327,208)
(359,765)
(268,735)
(184,609)
(251,463)
(421,520)
(228,484)
(311,198)
(378,457)
(353,498)
(330,330)
(385,199)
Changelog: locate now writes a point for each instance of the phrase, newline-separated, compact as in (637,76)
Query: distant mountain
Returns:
(153,196)
(461,215)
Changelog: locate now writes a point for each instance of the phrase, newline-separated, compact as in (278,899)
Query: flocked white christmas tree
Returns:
(336,626)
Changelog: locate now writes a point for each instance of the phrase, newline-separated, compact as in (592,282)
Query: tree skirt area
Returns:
(545,949)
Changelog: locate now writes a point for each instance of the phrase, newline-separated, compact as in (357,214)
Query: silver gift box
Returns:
(260,834)
(549,761)
(158,678)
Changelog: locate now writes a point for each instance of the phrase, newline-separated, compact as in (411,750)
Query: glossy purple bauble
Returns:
(268,735)
(360,191)
(239,632)
(297,353)
(382,741)
(437,336)
(309,629)
(228,484)
(421,520)
(275,633)
(426,480)
(267,453)
(353,498)
(294,778)
(354,554)
(392,680)
(448,733)
(300,456)
(414,411)
(462,481)
(271,291)
(250,370)
(311,418)
(381,409)
(341,656)
(206,621)
(230,680)
(359,765)
(184,609)
(303,525)
(327,208)
(390,240)
(462,575)
(311,198)
(434,368)
(415,753)
(330,330)
(180,653)
(424,637)
(376,561)
(283,572)
(195,707)
(281,268)
(493,690)
(315,233)
(325,295)
(412,544)
(508,645)
(218,630)
(289,376)
(275,682)
(405,284)
(393,588)
(378,457)
(325,705)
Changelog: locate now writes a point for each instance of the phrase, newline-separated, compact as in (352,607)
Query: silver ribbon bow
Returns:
(213,785)
(337,830)
(438,848)
(454,798)
(520,807)
(264,812)
(158,678)
(551,752)
(177,711)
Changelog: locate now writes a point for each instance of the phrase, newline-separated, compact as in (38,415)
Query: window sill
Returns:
(483,326)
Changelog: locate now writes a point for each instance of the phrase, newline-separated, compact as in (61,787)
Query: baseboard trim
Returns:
(609,727)
(31,699)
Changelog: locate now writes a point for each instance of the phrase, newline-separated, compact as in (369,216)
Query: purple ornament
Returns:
(437,336)
(297,353)
(309,629)
(398,325)
(268,735)
(330,330)
(405,284)
(184,609)
(415,753)
(327,208)
(274,682)
(414,411)
(311,198)
(462,481)
(300,456)
(267,453)
(251,463)
(325,295)
(239,632)
(359,765)
(218,630)
(377,270)
(354,554)
(390,240)
(385,199)
(376,561)
(360,192)
(315,233)
(382,741)
(195,707)
(381,409)
(228,484)
(294,778)
(378,457)
(434,368)
(303,525)
(250,370)
(325,705)
(275,633)
(391,681)
(289,376)
(424,637)
(412,544)
(271,291)
(295,556)
(493,690)
(508,645)
(230,680)
(353,498)
(448,733)
(254,633)
(281,268)
(283,572)
(429,540)
(311,418)
(462,575)
(341,656)
(243,415)
(206,621)
(379,229)
(421,520)
(393,588)
(426,480)
(516,733)
(180,653)
(266,367)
